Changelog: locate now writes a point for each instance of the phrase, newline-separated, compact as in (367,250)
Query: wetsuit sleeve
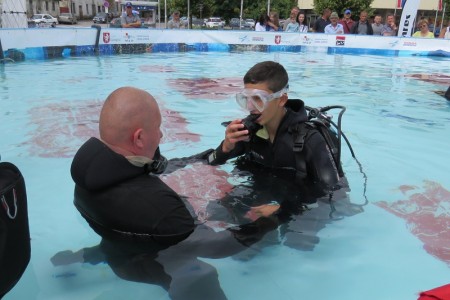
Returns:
(218,157)
(319,162)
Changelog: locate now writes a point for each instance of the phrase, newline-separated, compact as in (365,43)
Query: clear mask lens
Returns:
(251,99)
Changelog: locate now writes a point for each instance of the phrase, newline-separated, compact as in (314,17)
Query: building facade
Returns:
(81,8)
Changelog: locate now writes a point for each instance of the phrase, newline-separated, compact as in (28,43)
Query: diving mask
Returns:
(258,99)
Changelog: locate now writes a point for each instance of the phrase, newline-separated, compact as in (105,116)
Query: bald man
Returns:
(116,190)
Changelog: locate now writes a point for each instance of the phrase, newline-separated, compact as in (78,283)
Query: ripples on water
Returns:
(397,125)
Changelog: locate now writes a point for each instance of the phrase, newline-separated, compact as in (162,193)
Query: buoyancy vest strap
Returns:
(299,132)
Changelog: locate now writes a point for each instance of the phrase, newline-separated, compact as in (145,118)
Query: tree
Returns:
(356,6)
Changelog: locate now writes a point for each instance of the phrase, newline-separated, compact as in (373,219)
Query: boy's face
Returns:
(271,108)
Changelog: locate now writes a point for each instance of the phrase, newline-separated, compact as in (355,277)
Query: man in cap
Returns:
(130,19)
(334,27)
(347,21)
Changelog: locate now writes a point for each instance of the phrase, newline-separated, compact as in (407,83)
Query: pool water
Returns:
(392,247)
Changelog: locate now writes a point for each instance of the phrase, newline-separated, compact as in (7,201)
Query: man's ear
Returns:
(137,138)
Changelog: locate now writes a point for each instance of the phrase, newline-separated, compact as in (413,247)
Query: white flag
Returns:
(409,13)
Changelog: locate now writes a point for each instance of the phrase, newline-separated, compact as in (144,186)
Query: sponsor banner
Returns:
(409,13)
(193,40)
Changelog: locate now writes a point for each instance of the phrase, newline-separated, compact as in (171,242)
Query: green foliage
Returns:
(356,6)
(227,9)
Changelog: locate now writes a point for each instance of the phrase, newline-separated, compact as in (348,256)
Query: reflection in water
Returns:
(427,213)
(177,268)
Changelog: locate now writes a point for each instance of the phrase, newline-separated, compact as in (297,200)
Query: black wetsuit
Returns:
(121,200)
(320,170)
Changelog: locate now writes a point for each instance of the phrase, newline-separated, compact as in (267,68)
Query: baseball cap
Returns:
(128,4)
(348,11)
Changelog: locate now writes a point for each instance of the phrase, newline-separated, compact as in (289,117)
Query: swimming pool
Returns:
(391,248)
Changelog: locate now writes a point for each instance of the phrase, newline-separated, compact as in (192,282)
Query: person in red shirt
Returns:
(347,21)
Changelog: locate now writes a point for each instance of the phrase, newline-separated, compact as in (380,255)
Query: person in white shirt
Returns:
(261,25)
(445,32)
(302,25)
(334,27)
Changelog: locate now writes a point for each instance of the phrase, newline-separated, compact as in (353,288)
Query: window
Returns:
(46,5)
(87,9)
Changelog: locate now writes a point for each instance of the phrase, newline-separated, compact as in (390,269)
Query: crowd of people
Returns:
(330,22)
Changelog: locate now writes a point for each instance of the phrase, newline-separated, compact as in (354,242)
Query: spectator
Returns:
(130,19)
(292,17)
(334,27)
(424,31)
(347,21)
(376,25)
(291,25)
(322,22)
(175,23)
(261,25)
(445,32)
(362,26)
(390,28)
(301,20)
(274,22)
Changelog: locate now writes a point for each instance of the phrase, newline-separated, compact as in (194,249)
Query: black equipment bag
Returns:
(15,248)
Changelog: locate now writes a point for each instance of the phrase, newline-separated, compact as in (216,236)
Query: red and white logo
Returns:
(277,39)
(340,40)
(106,37)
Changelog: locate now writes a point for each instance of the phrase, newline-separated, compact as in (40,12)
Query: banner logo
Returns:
(277,39)
(106,37)
(340,40)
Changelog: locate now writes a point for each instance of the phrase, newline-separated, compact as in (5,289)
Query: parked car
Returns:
(249,23)
(67,18)
(101,17)
(234,23)
(44,19)
(214,22)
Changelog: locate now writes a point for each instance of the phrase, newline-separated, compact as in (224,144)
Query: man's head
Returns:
(363,17)
(294,12)
(265,93)
(377,20)
(334,17)
(130,122)
(326,13)
(129,8)
(176,15)
(390,19)
(347,14)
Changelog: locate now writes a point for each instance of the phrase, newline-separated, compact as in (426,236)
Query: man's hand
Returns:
(265,210)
